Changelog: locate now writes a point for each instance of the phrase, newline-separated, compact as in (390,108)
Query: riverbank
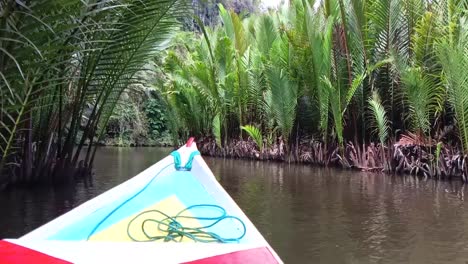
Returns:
(163,141)
(407,156)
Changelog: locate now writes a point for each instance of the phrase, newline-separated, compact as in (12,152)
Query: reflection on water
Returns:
(327,216)
(308,214)
(24,210)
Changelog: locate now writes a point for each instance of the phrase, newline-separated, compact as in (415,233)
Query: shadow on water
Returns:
(308,214)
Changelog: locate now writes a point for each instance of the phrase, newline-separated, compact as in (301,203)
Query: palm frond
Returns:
(142,32)
(240,37)
(228,25)
(388,29)
(255,134)
(423,97)
(319,33)
(423,45)
(283,99)
(336,108)
(42,63)
(217,130)
(454,60)
(379,117)
(266,34)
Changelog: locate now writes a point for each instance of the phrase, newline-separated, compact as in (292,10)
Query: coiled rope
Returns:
(174,231)
(170,226)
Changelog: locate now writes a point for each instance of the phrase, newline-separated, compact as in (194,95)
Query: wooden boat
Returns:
(177,199)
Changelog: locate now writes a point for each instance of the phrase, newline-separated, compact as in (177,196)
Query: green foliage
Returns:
(319,35)
(454,59)
(319,68)
(423,98)
(156,115)
(127,121)
(266,34)
(64,66)
(283,99)
(336,109)
(255,134)
(379,118)
(217,130)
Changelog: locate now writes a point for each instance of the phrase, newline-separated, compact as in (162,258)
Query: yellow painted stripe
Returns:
(170,206)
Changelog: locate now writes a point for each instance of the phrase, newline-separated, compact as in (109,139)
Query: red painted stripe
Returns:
(251,256)
(190,142)
(12,253)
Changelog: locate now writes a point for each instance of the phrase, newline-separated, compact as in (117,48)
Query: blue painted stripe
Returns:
(180,183)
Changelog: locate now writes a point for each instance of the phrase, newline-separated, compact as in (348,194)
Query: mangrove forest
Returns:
(372,85)
(377,85)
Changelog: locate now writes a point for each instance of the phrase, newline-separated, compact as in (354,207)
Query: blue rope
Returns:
(178,162)
(174,231)
(126,201)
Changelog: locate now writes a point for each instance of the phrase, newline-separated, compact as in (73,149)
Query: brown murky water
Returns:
(308,214)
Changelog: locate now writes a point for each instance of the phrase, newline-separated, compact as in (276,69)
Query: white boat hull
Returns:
(71,238)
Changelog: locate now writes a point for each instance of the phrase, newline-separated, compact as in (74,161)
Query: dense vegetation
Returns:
(64,64)
(323,80)
(372,84)
(140,119)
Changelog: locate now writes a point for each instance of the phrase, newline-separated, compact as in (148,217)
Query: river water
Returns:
(308,214)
